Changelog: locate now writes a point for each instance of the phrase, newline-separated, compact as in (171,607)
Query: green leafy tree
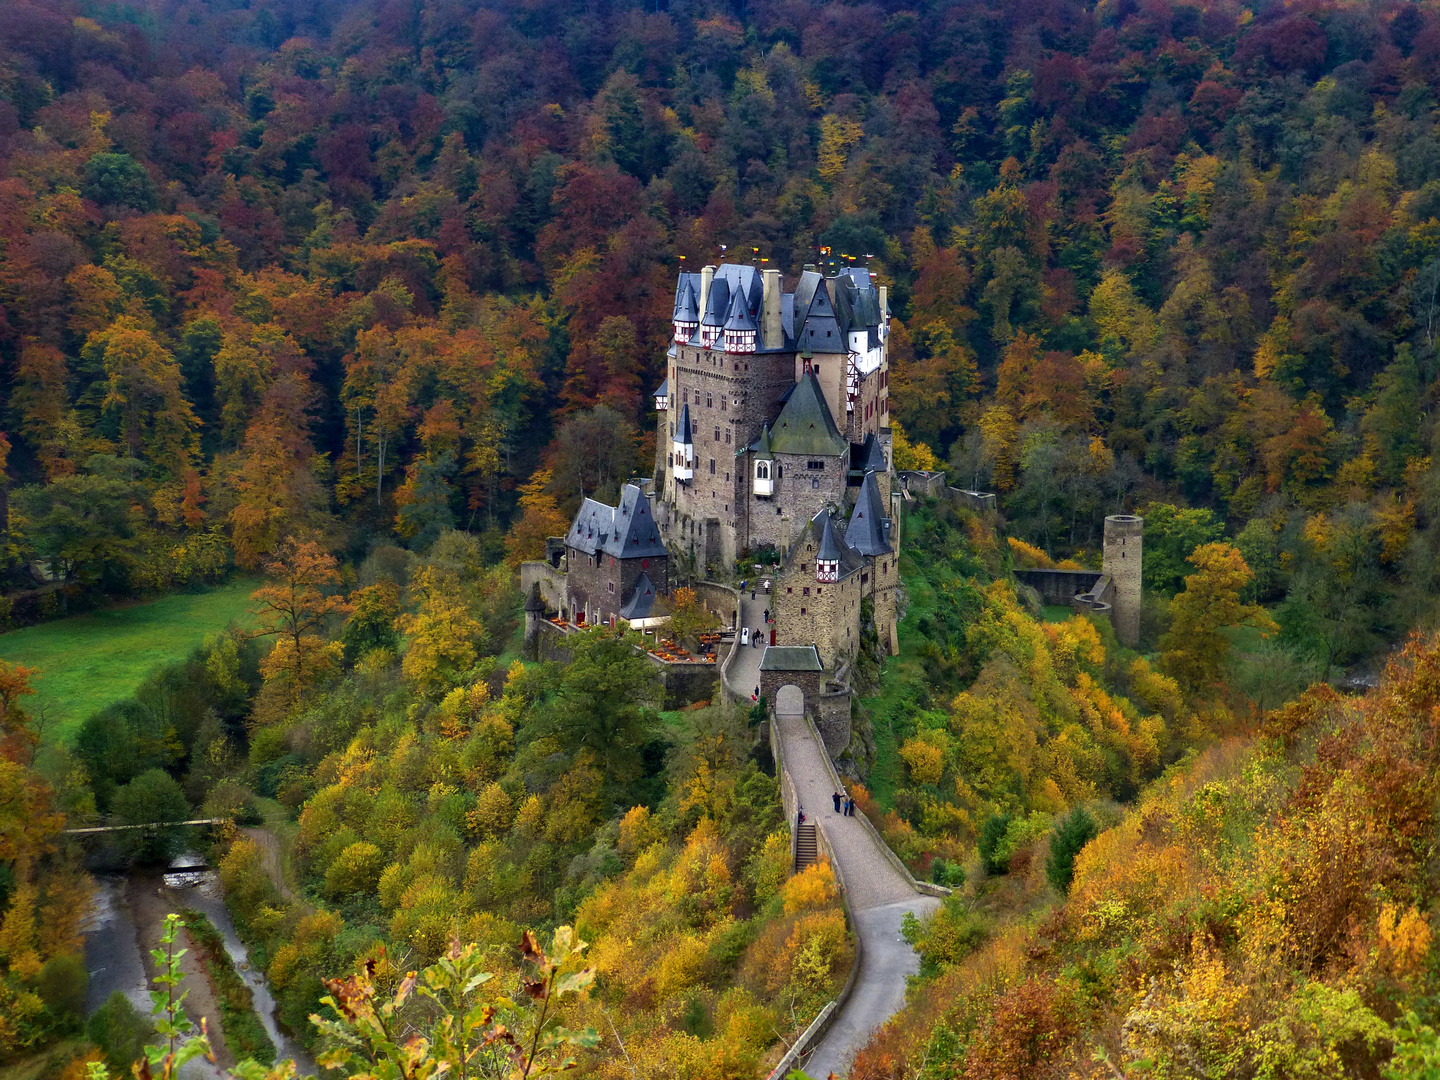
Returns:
(371,625)
(82,525)
(153,796)
(597,703)
(1171,534)
(118,180)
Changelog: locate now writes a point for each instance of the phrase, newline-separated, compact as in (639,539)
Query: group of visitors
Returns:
(844,804)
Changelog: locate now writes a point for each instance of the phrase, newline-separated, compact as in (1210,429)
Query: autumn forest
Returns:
(347,306)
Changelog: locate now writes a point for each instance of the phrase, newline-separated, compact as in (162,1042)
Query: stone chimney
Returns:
(772,334)
(884,299)
(707,275)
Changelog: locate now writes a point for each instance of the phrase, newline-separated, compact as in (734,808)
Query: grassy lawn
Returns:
(96,659)
(1056,613)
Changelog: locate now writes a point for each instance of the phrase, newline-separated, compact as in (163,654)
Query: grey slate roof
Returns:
(663,390)
(866,456)
(761,446)
(867,532)
(805,425)
(717,304)
(641,599)
(682,430)
(791,658)
(740,317)
(627,531)
(830,547)
(824,531)
(687,301)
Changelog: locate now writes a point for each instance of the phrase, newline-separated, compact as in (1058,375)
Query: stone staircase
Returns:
(806,849)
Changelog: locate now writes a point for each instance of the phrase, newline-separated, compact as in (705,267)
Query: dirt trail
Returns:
(150,901)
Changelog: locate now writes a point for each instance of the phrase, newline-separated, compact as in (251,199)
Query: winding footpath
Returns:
(879,893)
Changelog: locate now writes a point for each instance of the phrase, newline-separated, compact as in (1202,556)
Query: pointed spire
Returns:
(866,533)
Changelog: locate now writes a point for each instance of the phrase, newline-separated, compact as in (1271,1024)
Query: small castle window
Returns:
(818,591)
(805,591)
(788,590)
(717,434)
(644,564)
(709,401)
(803,611)
(712,466)
(815,484)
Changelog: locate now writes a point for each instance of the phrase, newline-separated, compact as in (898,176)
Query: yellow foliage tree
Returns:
(1194,649)
(444,636)
(540,518)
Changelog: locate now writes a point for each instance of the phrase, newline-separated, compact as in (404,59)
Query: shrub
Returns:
(1073,833)
(948,936)
(991,834)
(62,983)
(120,1032)
(355,870)
(949,874)
(814,887)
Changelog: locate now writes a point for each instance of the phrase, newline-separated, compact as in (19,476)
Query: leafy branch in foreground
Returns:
(465,1039)
(163,1060)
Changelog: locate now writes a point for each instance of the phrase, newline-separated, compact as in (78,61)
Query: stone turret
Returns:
(1124,535)
(534,612)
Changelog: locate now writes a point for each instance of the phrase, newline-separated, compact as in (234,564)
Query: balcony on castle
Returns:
(682,461)
(764,480)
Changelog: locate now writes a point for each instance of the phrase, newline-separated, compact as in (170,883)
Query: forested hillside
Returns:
(362,296)
(359,270)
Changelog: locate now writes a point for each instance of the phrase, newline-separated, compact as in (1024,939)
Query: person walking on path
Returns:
(837,799)
(850,806)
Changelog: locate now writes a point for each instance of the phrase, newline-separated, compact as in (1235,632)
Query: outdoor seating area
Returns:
(672,652)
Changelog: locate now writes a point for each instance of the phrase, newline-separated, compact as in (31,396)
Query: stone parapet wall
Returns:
(1059,587)
(552,583)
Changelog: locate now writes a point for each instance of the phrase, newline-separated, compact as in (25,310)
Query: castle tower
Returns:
(1123,539)
(534,612)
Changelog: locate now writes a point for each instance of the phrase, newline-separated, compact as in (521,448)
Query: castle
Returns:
(773,447)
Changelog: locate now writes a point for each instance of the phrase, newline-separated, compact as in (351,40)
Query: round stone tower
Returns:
(1124,535)
(534,612)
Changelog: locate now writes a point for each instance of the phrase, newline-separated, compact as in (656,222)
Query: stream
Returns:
(114,958)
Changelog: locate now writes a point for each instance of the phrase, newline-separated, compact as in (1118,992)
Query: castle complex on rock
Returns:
(773,447)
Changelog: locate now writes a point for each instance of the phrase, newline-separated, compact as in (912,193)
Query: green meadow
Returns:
(88,661)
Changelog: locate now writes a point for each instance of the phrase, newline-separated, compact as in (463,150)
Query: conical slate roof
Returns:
(761,446)
(866,533)
(717,304)
(830,549)
(805,425)
(870,456)
(740,317)
(682,431)
(687,305)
